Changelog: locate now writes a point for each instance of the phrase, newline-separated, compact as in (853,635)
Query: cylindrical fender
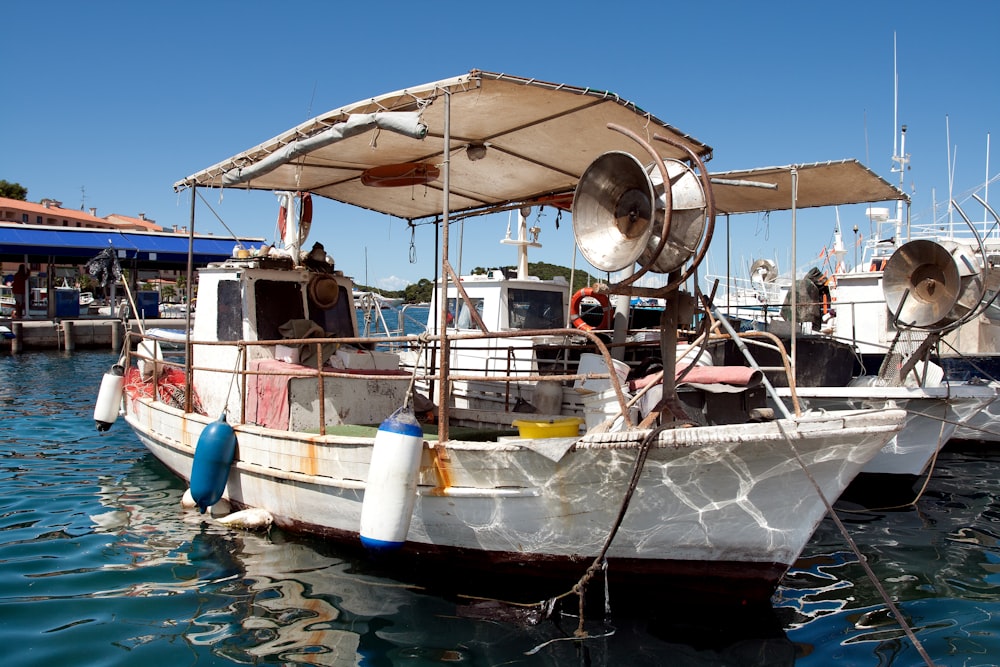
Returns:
(391,487)
(213,457)
(109,398)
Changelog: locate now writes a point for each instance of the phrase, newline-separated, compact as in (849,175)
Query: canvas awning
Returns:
(72,245)
(538,138)
(837,183)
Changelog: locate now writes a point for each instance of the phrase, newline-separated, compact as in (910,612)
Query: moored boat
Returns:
(708,494)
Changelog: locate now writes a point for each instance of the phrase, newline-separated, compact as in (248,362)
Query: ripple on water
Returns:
(99,565)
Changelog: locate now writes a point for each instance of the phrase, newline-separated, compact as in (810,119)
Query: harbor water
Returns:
(100,565)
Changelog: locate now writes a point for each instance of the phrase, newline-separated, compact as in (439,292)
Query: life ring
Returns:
(574,309)
(397,175)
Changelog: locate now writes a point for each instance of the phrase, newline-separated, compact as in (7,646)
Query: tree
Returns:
(13,191)
(419,293)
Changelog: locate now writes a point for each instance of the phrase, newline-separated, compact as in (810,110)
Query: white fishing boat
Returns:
(903,311)
(710,495)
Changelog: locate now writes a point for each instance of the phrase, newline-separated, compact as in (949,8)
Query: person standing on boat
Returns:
(19,286)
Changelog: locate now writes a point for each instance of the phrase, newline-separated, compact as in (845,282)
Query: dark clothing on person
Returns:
(18,286)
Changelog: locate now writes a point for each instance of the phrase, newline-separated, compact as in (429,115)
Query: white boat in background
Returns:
(711,498)
(171,310)
(7,301)
(364,300)
(829,374)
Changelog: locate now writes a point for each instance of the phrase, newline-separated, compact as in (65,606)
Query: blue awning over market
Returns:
(40,243)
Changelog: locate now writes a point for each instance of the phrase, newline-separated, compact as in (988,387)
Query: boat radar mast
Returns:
(522,241)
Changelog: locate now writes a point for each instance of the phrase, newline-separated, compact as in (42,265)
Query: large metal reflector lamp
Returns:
(928,284)
(613,211)
(686,223)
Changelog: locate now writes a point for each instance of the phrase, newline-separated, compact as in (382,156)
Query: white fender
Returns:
(391,488)
(248,519)
(109,398)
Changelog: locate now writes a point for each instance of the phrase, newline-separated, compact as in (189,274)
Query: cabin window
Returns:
(464,320)
(229,313)
(338,321)
(278,301)
(533,309)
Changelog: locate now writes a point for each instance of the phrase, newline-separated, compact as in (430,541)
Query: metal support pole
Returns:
(444,386)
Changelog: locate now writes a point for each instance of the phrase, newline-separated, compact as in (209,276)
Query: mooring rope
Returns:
(857,552)
(600,561)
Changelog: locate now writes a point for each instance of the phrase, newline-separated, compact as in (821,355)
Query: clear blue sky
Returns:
(107,104)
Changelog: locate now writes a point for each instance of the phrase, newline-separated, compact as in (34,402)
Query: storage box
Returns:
(368,359)
(286,353)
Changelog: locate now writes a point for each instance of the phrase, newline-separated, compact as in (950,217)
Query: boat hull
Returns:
(933,417)
(725,507)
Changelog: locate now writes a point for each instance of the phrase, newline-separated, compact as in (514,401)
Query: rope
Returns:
(423,339)
(857,552)
(233,376)
(599,562)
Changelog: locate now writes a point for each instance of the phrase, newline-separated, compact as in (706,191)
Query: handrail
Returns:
(322,372)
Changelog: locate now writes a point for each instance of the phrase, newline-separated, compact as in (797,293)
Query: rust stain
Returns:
(309,463)
(441,462)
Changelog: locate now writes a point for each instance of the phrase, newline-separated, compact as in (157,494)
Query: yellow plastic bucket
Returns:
(550,428)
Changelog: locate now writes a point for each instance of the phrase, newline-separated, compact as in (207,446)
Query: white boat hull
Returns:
(507,503)
(933,416)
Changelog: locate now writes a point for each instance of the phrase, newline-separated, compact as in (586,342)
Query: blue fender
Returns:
(213,457)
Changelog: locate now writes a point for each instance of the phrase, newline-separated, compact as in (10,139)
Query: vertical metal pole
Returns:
(795,282)
(189,291)
(619,331)
(729,269)
(444,365)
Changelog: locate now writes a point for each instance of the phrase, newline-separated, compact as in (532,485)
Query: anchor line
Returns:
(599,561)
(857,552)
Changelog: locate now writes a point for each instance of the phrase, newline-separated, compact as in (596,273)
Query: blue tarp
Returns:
(79,243)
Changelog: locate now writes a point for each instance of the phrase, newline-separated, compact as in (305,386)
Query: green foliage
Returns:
(391,294)
(547,271)
(419,293)
(13,190)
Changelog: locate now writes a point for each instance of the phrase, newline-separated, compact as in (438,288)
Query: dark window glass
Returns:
(531,309)
(229,319)
(338,321)
(278,301)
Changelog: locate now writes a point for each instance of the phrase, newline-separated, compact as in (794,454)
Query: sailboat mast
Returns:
(899,156)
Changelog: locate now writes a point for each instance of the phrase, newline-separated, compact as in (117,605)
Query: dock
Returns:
(72,334)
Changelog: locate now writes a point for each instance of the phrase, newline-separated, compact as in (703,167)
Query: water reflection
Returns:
(99,564)
(939,561)
(274,598)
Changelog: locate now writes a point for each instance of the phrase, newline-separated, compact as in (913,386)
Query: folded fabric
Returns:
(721,378)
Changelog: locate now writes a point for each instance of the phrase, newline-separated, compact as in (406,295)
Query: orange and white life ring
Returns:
(397,175)
(574,309)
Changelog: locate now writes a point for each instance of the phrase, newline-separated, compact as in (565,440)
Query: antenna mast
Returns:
(899,156)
